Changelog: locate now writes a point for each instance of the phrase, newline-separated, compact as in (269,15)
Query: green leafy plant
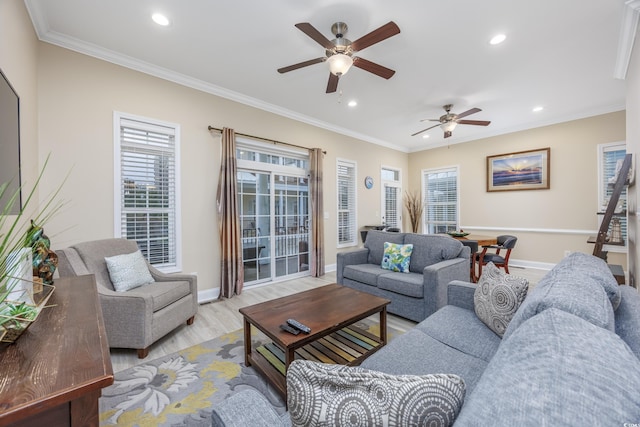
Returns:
(16,230)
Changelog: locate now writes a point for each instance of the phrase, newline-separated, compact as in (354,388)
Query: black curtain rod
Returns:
(273,141)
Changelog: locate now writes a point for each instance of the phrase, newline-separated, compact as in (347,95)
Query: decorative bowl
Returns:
(457,233)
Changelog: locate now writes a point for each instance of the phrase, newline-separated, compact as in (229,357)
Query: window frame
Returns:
(352,210)
(425,222)
(396,183)
(121,119)
(602,193)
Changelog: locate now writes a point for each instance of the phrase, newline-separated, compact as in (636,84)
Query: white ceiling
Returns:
(560,54)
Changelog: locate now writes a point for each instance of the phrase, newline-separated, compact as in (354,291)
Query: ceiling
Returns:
(560,55)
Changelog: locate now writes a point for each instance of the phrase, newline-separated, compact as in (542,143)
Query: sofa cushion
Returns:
(247,408)
(461,329)
(565,288)
(557,370)
(337,395)
(163,294)
(596,269)
(416,353)
(375,244)
(429,249)
(628,318)
(364,273)
(411,285)
(498,297)
(128,271)
(94,252)
(396,257)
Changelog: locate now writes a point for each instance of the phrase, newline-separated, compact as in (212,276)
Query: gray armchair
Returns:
(139,317)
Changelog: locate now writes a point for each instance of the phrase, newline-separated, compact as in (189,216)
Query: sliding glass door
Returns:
(274,214)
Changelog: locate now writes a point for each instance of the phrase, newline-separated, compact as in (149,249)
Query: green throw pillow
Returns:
(396,257)
(326,395)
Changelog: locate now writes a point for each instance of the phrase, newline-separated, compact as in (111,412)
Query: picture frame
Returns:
(521,170)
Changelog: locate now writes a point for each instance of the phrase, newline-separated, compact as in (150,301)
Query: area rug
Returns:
(181,389)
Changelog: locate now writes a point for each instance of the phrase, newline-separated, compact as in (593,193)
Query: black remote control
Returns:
(299,325)
(289,329)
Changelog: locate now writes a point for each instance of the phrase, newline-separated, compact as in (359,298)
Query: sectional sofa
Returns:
(569,356)
(435,261)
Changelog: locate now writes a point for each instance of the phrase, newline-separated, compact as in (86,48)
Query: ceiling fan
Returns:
(449,121)
(340,51)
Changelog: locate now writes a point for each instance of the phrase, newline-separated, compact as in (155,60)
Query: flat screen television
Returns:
(9,143)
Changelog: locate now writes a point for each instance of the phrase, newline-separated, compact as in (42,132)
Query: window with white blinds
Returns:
(608,157)
(391,197)
(440,195)
(147,202)
(346,203)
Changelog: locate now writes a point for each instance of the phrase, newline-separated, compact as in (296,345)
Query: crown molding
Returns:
(628,30)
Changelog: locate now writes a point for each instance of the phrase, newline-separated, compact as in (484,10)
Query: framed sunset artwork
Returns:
(522,170)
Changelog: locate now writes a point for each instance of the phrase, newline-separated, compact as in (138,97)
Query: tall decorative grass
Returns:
(414,206)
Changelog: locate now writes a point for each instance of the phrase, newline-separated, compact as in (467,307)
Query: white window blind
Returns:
(346,203)
(147,193)
(391,197)
(391,214)
(609,155)
(440,195)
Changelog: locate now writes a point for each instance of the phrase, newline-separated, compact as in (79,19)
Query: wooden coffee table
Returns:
(330,311)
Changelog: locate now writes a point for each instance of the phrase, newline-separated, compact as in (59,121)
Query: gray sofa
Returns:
(436,260)
(141,316)
(569,357)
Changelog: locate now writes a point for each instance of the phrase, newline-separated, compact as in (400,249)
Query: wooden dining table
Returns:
(482,240)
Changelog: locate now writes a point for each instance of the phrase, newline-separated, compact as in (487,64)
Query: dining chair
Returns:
(505,243)
(473,245)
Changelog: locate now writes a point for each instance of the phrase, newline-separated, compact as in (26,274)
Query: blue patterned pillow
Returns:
(396,257)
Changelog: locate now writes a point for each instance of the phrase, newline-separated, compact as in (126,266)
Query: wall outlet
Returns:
(567,253)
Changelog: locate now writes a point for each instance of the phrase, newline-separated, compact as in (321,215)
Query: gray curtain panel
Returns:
(231,268)
(317,212)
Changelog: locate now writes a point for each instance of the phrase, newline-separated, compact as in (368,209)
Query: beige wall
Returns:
(633,145)
(78,95)
(546,222)
(68,100)
(18,61)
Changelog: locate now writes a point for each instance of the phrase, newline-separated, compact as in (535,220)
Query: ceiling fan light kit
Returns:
(339,52)
(339,64)
(449,121)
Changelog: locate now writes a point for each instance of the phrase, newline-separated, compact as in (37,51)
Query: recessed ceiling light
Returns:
(538,109)
(160,19)
(352,103)
(425,136)
(497,39)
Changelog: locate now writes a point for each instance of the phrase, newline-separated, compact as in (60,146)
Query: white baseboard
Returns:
(208,295)
(531,264)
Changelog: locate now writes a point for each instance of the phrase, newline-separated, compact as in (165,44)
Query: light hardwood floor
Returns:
(220,317)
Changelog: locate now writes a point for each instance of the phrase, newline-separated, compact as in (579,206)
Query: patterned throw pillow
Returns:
(128,271)
(396,257)
(498,297)
(337,395)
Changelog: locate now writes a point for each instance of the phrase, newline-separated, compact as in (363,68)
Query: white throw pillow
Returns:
(128,271)
(498,297)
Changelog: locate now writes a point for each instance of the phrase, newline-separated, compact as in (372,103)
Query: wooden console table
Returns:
(54,373)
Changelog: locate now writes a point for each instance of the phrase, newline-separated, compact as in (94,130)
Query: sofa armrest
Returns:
(360,256)
(460,294)
(436,278)
(127,316)
(159,276)
(247,408)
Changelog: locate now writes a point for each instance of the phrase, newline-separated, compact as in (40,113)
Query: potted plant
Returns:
(413,203)
(17,307)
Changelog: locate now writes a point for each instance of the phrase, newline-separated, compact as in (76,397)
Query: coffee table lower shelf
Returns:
(348,346)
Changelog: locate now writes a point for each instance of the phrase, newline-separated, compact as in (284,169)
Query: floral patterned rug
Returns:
(180,389)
